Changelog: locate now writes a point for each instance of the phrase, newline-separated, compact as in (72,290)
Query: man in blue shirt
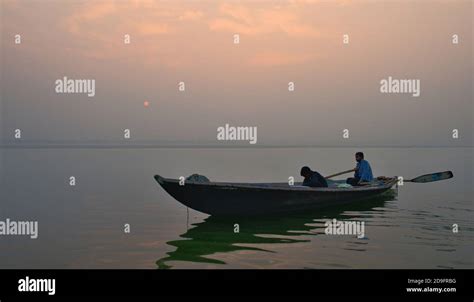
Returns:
(313,178)
(363,171)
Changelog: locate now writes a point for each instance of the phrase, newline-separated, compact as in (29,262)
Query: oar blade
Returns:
(433,177)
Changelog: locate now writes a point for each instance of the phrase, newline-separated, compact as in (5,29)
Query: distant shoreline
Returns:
(151,145)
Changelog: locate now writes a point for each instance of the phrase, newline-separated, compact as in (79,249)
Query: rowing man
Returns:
(363,171)
(313,178)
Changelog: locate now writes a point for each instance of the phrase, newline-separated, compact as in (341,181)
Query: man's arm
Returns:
(356,171)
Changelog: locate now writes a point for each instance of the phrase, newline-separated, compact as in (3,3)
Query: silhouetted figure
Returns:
(313,178)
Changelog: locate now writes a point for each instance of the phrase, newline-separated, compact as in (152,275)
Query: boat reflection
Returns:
(216,235)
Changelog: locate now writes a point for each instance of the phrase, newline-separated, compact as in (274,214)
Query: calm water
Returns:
(83,226)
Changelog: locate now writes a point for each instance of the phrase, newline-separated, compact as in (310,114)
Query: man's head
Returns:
(359,156)
(305,171)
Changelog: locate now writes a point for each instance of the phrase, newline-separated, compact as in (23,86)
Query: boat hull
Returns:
(256,199)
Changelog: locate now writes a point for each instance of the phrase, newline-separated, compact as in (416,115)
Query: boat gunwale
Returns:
(264,186)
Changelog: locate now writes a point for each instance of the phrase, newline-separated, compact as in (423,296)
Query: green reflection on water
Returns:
(216,235)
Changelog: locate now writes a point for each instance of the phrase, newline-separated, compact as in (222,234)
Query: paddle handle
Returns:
(340,173)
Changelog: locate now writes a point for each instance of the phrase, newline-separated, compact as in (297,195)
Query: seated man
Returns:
(313,178)
(363,171)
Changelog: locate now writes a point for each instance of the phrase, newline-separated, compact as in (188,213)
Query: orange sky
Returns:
(280,41)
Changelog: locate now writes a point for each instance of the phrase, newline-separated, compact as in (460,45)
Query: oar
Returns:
(431,177)
(340,173)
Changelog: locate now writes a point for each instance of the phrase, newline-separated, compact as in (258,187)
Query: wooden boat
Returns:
(229,199)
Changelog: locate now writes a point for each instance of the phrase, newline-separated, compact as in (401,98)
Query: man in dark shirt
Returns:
(313,178)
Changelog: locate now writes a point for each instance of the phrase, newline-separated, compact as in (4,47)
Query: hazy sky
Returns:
(337,86)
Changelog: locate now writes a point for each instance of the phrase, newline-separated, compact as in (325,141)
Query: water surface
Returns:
(83,226)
